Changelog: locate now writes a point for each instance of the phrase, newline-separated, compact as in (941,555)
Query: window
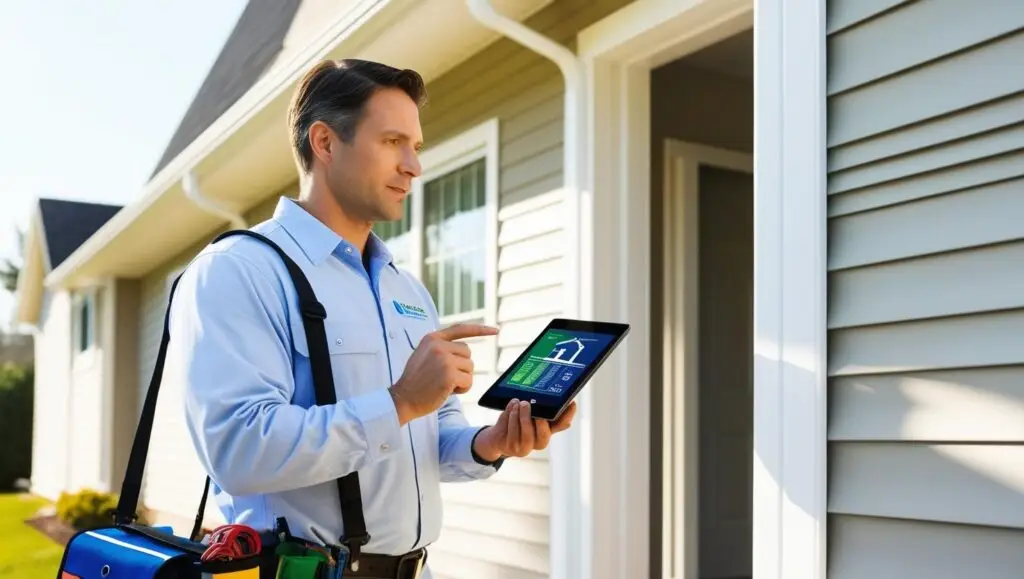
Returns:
(84,322)
(448,235)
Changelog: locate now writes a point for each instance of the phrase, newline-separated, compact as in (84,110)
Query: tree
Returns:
(16,400)
(10,271)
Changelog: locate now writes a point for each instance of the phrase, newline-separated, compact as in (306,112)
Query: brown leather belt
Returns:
(373,566)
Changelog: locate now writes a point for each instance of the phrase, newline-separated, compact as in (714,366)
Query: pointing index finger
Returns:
(460,331)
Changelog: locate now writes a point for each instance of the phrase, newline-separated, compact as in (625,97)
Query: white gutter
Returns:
(570,522)
(192,191)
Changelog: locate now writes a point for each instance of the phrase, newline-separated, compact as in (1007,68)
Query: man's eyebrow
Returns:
(400,134)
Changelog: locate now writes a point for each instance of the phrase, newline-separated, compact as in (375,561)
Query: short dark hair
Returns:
(336,92)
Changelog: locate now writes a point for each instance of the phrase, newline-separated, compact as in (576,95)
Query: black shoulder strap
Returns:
(313,315)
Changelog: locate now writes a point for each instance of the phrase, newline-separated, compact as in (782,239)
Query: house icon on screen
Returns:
(571,348)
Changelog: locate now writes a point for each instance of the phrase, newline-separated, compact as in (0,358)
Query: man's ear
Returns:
(321,140)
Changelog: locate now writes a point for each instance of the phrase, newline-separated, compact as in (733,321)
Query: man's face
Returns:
(371,176)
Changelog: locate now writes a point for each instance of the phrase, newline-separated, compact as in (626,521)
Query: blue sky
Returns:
(92,92)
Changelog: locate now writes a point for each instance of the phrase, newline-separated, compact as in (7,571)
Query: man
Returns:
(239,348)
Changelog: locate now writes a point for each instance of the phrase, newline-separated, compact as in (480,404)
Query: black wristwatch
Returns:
(479,460)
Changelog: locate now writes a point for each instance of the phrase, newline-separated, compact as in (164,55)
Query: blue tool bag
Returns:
(129,550)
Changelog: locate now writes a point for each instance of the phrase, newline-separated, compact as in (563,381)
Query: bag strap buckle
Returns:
(355,543)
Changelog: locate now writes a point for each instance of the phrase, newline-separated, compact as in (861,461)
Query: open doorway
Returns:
(703,224)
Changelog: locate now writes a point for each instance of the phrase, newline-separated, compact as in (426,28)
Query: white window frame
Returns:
(479,142)
(83,358)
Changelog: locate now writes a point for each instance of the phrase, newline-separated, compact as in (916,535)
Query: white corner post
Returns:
(790,406)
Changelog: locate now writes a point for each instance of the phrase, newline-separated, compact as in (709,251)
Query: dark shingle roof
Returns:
(257,38)
(67,224)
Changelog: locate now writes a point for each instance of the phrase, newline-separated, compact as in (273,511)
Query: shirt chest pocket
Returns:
(415,330)
(358,364)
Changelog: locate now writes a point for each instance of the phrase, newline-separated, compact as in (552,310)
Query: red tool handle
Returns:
(230,542)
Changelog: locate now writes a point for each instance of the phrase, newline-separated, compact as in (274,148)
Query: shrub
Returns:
(88,509)
(16,393)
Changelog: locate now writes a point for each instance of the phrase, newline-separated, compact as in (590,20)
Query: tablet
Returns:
(555,366)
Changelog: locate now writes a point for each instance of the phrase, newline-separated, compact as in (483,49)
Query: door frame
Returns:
(680,456)
(618,54)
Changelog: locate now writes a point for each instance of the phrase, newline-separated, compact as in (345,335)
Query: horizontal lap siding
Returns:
(499,529)
(926,289)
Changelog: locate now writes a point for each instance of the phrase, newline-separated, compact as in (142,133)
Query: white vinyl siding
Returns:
(52,420)
(926,293)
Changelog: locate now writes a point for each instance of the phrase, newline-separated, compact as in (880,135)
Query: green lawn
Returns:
(25,553)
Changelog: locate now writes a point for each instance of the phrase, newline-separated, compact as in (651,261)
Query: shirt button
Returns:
(391,334)
(384,447)
(348,250)
(339,341)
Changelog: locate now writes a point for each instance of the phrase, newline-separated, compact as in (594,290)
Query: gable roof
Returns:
(255,41)
(57,228)
(67,224)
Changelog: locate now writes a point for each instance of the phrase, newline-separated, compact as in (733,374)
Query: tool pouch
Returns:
(133,551)
(125,553)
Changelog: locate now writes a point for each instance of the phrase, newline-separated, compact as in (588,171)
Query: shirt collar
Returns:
(316,240)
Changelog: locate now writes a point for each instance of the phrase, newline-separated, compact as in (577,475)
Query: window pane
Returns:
(467,188)
(480,179)
(471,266)
(84,327)
(448,283)
(432,200)
(455,225)
(431,282)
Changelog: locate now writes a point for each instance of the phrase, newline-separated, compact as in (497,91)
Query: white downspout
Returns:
(571,522)
(192,191)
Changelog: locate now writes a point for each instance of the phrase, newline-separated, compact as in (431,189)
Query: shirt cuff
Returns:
(378,418)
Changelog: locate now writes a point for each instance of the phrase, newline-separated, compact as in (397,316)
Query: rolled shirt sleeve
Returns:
(458,461)
(230,350)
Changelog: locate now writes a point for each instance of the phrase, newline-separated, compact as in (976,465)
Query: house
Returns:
(76,403)
(824,373)
(571,348)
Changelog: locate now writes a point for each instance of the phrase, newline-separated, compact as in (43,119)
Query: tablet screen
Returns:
(549,371)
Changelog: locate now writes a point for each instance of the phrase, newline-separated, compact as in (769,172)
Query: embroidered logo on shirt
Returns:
(410,311)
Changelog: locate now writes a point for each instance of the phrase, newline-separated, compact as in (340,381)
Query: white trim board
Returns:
(789,471)
(790,404)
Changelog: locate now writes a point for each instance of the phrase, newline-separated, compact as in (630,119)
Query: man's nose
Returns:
(410,164)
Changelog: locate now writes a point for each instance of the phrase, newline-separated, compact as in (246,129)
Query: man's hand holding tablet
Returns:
(535,394)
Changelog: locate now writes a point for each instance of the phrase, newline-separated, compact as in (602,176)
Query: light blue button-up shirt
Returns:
(239,350)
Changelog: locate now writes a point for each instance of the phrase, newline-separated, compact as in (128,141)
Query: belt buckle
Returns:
(412,561)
